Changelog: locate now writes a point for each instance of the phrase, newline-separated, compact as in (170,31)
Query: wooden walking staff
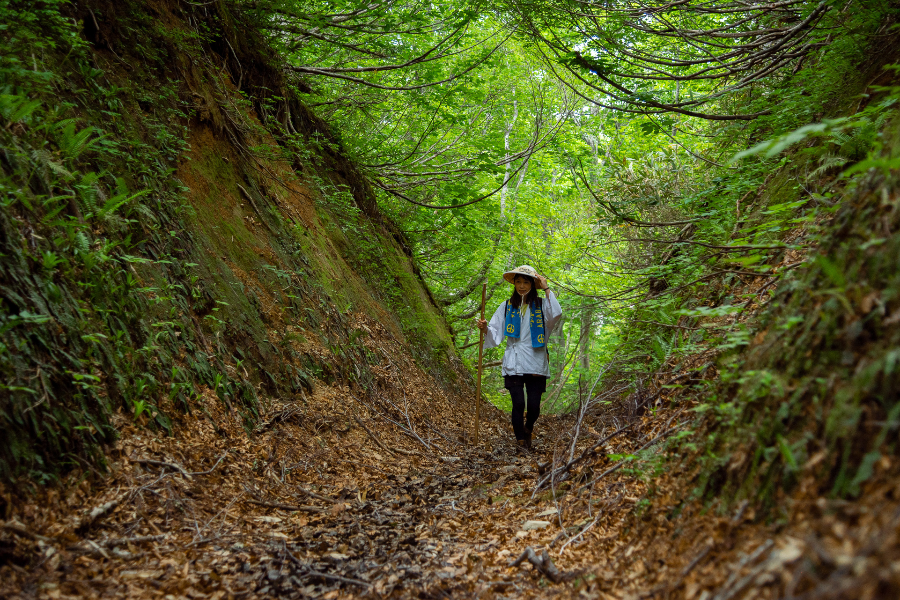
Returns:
(480,357)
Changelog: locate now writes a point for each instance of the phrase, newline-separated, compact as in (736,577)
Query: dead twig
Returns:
(20,530)
(728,590)
(211,469)
(315,495)
(587,452)
(671,587)
(138,539)
(379,442)
(161,463)
(95,549)
(622,463)
(96,513)
(697,560)
(256,208)
(307,570)
(288,507)
(543,564)
(112,543)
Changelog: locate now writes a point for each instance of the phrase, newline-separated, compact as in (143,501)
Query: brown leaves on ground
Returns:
(354,493)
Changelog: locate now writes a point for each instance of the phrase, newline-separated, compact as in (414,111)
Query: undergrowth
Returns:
(122,290)
(781,301)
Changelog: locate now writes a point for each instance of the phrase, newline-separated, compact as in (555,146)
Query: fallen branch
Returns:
(668,588)
(256,208)
(211,469)
(307,570)
(411,435)
(543,564)
(622,463)
(279,417)
(587,452)
(138,539)
(697,560)
(411,432)
(96,513)
(590,450)
(583,531)
(160,463)
(288,507)
(377,441)
(315,495)
(94,547)
(729,590)
(22,531)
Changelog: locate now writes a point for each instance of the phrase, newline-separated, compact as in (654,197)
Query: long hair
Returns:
(530,298)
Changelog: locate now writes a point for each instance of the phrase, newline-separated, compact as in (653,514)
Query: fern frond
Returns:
(839,137)
(144,210)
(46,160)
(119,200)
(16,108)
(88,192)
(82,244)
(828,161)
(73,143)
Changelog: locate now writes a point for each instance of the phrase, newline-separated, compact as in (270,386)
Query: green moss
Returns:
(140,308)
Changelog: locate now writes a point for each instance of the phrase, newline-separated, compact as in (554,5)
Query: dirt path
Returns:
(199,517)
(325,500)
(364,492)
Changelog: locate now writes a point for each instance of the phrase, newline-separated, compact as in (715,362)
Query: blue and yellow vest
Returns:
(514,318)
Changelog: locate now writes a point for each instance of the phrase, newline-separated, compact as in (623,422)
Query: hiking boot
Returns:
(521,448)
(527,439)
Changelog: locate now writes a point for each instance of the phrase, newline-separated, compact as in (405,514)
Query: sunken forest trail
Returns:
(226,377)
(333,497)
(330,498)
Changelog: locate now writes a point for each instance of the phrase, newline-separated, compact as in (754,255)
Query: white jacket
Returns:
(520,358)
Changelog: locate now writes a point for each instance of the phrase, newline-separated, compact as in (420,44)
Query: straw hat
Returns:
(528,270)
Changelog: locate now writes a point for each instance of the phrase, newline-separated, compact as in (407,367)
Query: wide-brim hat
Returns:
(528,270)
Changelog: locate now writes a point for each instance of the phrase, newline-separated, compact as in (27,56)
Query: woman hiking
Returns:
(525,320)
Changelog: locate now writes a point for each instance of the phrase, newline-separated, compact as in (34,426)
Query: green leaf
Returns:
(787,454)
(865,471)
(832,271)
(770,148)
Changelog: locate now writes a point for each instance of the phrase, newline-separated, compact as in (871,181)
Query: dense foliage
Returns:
(152,253)
(594,143)
(667,165)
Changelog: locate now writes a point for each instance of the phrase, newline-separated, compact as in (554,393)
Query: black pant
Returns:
(517,385)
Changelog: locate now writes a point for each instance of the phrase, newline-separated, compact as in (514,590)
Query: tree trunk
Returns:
(584,340)
(509,128)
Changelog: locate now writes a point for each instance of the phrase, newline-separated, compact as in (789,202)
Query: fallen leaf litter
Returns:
(336,497)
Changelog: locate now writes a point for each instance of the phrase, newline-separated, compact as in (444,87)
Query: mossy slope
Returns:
(175,222)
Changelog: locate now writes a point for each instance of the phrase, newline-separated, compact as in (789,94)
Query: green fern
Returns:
(73,143)
(44,159)
(117,201)
(16,108)
(826,162)
(88,192)
(82,244)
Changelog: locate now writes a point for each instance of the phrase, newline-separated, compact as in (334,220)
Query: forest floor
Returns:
(206,515)
(328,499)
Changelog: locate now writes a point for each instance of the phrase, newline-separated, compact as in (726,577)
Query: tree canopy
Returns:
(592,140)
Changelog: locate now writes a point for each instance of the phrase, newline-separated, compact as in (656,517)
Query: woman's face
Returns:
(523,285)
